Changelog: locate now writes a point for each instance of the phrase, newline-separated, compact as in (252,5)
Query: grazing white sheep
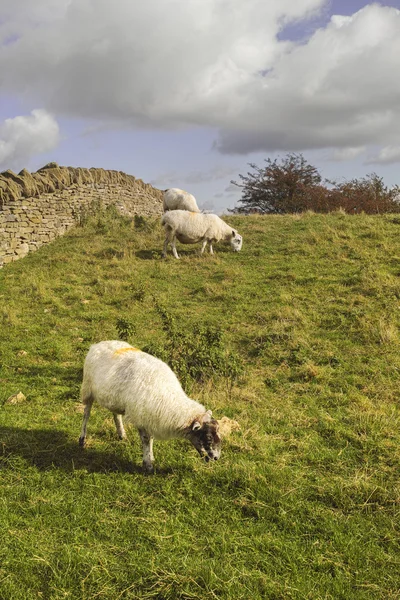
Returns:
(146,391)
(176,199)
(191,227)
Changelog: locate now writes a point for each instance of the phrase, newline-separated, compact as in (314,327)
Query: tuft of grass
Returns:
(304,502)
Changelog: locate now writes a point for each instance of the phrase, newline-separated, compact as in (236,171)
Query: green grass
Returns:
(304,503)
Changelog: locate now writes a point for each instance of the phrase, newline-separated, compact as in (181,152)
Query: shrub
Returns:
(195,355)
(280,187)
(292,185)
(125,329)
(139,222)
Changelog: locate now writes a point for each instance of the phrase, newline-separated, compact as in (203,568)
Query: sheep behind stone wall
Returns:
(176,199)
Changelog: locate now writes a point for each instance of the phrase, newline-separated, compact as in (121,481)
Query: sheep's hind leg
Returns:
(170,238)
(86,414)
(119,426)
(165,248)
(173,246)
(203,246)
(147,445)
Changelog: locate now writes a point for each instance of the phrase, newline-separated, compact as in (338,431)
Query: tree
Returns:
(368,194)
(293,185)
(280,187)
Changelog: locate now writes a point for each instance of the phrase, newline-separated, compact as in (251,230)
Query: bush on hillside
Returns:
(292,185)
(280,187)
(198,354)
(195,355)
(368,194)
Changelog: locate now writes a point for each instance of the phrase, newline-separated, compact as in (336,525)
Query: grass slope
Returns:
(304,503)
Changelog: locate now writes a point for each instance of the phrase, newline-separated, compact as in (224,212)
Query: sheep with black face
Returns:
(147,392)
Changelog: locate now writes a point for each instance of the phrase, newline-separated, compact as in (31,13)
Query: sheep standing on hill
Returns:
(176,199)
(191,228)
(144,389)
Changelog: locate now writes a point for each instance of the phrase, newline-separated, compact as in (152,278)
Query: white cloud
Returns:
(386,156)
(214,174)
(18,17)
(343,154)
(26,136)
(175,179)
(214,63)
(337,90)
(159,62)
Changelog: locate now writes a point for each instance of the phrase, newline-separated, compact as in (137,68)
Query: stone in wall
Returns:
(37,207)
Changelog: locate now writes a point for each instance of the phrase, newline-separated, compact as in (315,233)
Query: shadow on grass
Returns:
(109,253)
(69,378)
(149,254)
(62,374)
(156,254)
(48,449)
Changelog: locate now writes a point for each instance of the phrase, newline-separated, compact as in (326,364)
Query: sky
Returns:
(187,93)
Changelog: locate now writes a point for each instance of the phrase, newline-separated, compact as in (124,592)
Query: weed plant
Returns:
(197,354)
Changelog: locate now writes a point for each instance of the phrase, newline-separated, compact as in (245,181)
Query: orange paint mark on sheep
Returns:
(123,350)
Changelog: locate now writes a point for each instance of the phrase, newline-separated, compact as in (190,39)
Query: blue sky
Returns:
(186,93)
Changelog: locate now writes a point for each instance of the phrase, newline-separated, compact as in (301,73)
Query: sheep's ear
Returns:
(233,233)
(207,417)
(196,426)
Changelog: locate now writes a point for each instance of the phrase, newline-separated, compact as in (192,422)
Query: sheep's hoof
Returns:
(148,469)
(82,442)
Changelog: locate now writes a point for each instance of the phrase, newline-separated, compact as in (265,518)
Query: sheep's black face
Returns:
(205,439)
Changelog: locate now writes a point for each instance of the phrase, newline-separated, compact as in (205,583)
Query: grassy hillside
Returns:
(304,503)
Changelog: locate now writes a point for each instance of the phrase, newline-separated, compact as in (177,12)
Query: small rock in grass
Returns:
(16,398)
(227,425)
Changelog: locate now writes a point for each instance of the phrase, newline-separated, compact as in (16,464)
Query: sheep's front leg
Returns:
(147,445)
(119,426)
(173,246)
(211,248)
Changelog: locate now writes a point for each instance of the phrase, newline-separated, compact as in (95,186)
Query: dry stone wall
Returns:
(35,208)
